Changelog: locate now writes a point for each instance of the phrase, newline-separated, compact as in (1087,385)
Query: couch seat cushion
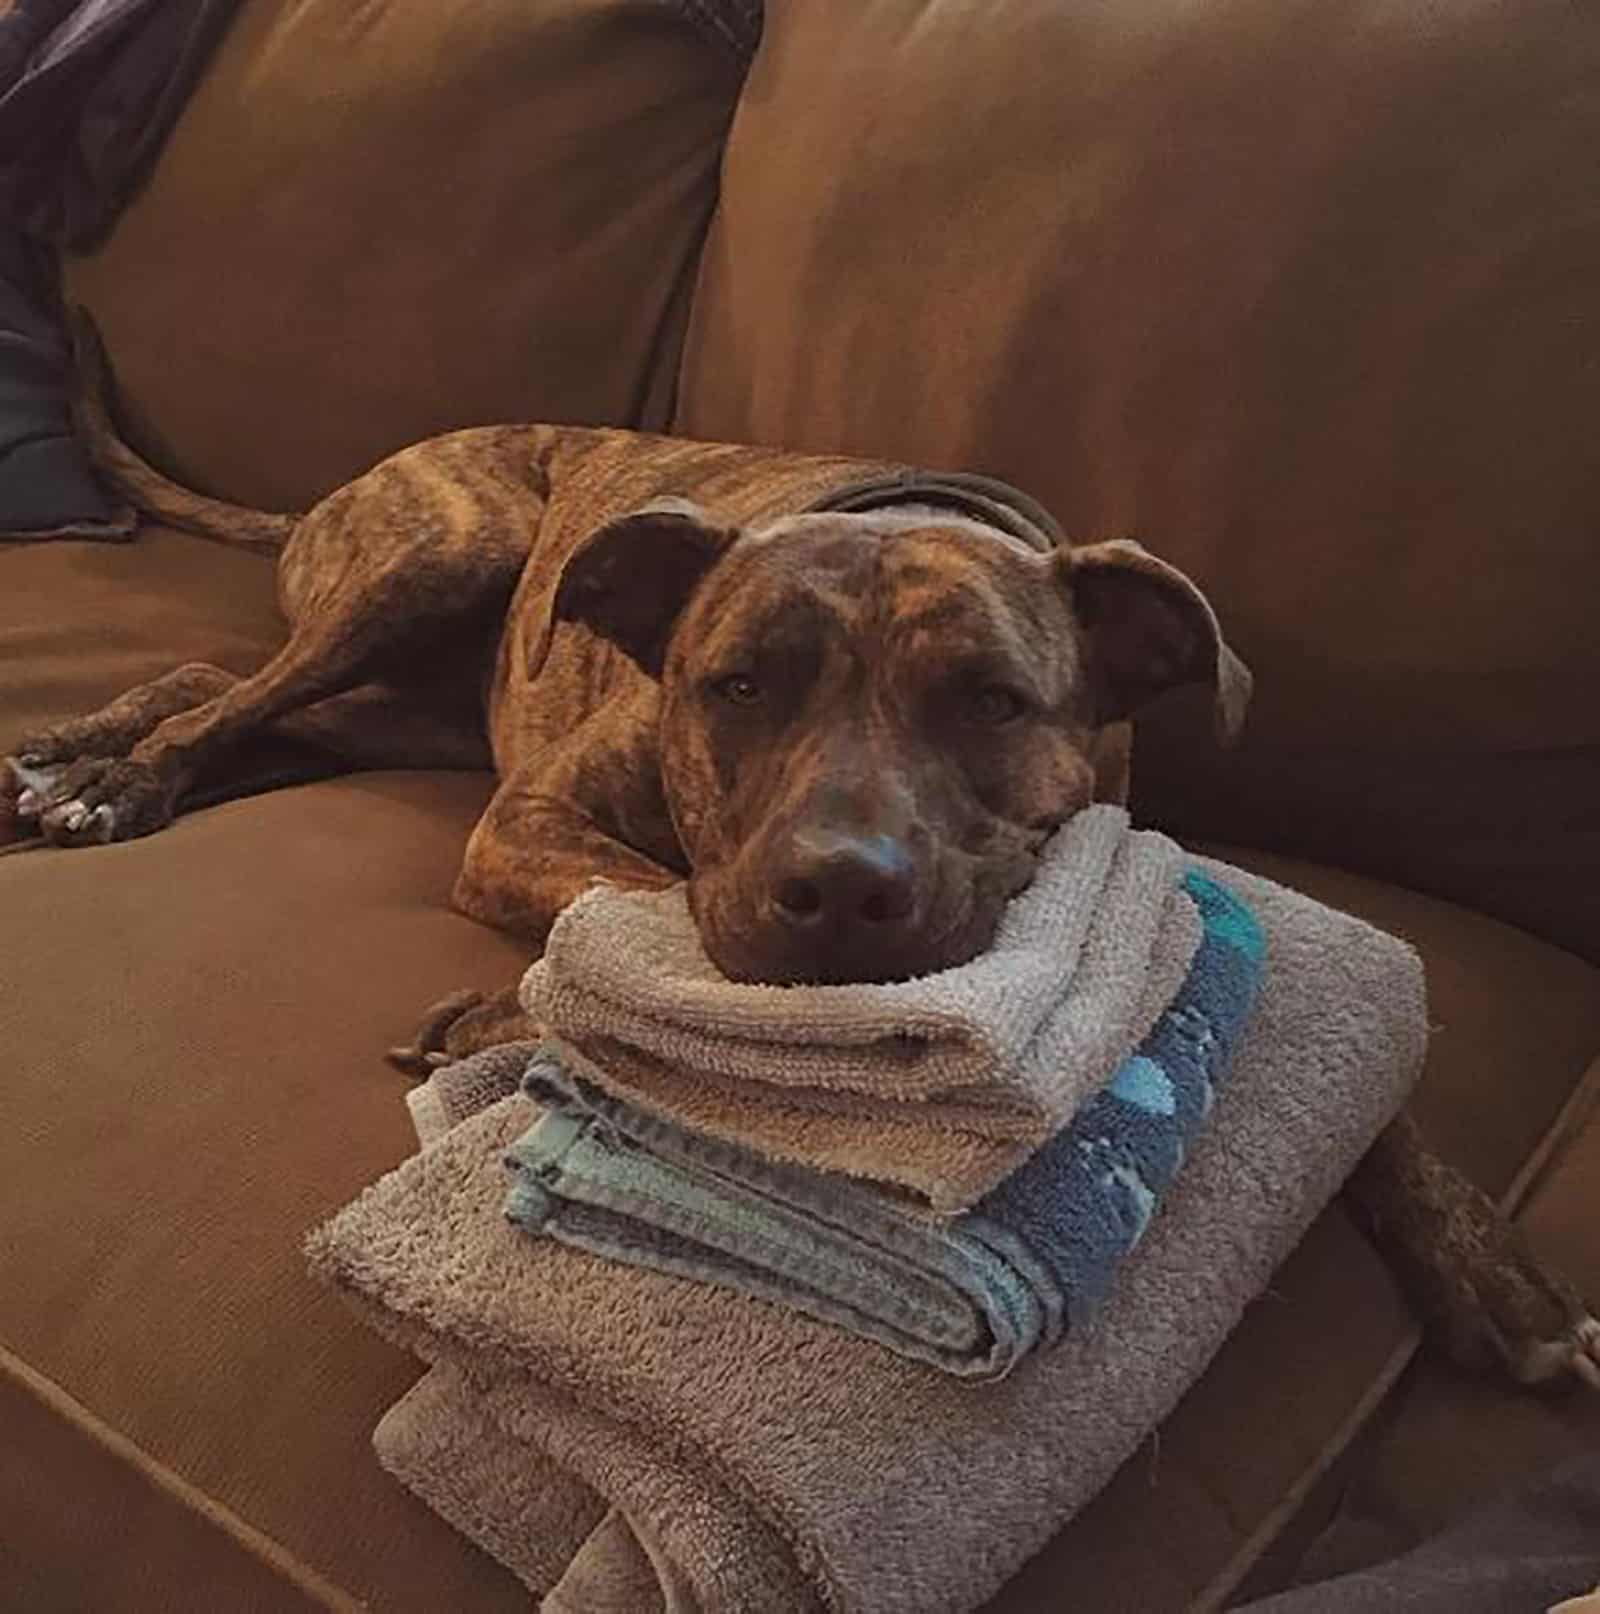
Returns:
(81,622)
(1451,1442)
(194,1025)
(194,1031)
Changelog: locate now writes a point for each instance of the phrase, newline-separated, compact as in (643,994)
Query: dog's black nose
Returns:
(840,883)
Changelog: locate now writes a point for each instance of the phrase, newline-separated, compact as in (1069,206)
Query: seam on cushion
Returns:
(1227,1580)
(1541,1159)
(247,1536)
(1546,1155)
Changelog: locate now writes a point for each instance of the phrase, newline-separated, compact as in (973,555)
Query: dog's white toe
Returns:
(1585,1357)
(1574,1353)
(35,785)
(82,824)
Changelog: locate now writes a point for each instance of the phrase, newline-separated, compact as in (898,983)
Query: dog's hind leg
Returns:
(1483,1293)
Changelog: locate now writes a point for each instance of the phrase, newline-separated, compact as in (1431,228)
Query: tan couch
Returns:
(1302,294)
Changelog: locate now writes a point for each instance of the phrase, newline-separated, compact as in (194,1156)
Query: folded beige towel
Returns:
(940,1086)
(783,1465)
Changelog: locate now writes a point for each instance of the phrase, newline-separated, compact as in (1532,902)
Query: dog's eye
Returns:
(737,689)
(994,705)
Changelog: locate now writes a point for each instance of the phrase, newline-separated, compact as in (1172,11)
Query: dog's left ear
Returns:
(630,579)
(1149,629)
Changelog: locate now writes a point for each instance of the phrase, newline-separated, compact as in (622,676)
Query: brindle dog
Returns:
(850,731)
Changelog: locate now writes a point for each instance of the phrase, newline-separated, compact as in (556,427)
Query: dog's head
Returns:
(871,723)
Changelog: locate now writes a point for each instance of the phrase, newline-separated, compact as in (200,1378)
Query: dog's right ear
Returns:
(630,580)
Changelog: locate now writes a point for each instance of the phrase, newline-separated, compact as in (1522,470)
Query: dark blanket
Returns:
(46,487)
(88,92)
(1534,1548)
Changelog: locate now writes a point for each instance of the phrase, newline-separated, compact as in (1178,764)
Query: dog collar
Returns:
(980,498)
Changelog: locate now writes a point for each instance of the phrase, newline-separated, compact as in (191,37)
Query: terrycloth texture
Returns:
(618,1570)
(940,1086)
(438,1441)
(453,1092)
(972,1296)
(785,1465)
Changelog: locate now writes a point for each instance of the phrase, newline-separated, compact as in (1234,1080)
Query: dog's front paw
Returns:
(96,800)
(16,786)
(27,787)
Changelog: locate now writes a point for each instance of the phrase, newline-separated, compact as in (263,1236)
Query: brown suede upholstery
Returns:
(81,622)
(446,212)
(227,1090)
(1302,295)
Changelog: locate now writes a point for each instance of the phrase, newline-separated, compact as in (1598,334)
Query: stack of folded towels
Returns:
(757,1298)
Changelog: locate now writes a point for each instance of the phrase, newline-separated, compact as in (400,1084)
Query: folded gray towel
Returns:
(972,1295)
(440,1442)
(785,1465)
(453,1092)
(940,1086)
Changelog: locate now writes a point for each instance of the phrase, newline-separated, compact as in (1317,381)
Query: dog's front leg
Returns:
(1482,1292)
(591,809)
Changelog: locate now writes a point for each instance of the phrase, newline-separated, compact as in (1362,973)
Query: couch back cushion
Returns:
(377,222)
(1303,295)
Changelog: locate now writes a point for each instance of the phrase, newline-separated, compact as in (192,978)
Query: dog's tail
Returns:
(139,482)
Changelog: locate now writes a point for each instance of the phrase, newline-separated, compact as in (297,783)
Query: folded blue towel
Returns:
(972,1295)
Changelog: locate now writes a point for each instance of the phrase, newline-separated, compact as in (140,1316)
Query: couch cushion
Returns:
(68,1481)
(194,1079)
(1452,1442)
(81,622)
(374,223)
(210,1086)
(1301,295)
(193,1025)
